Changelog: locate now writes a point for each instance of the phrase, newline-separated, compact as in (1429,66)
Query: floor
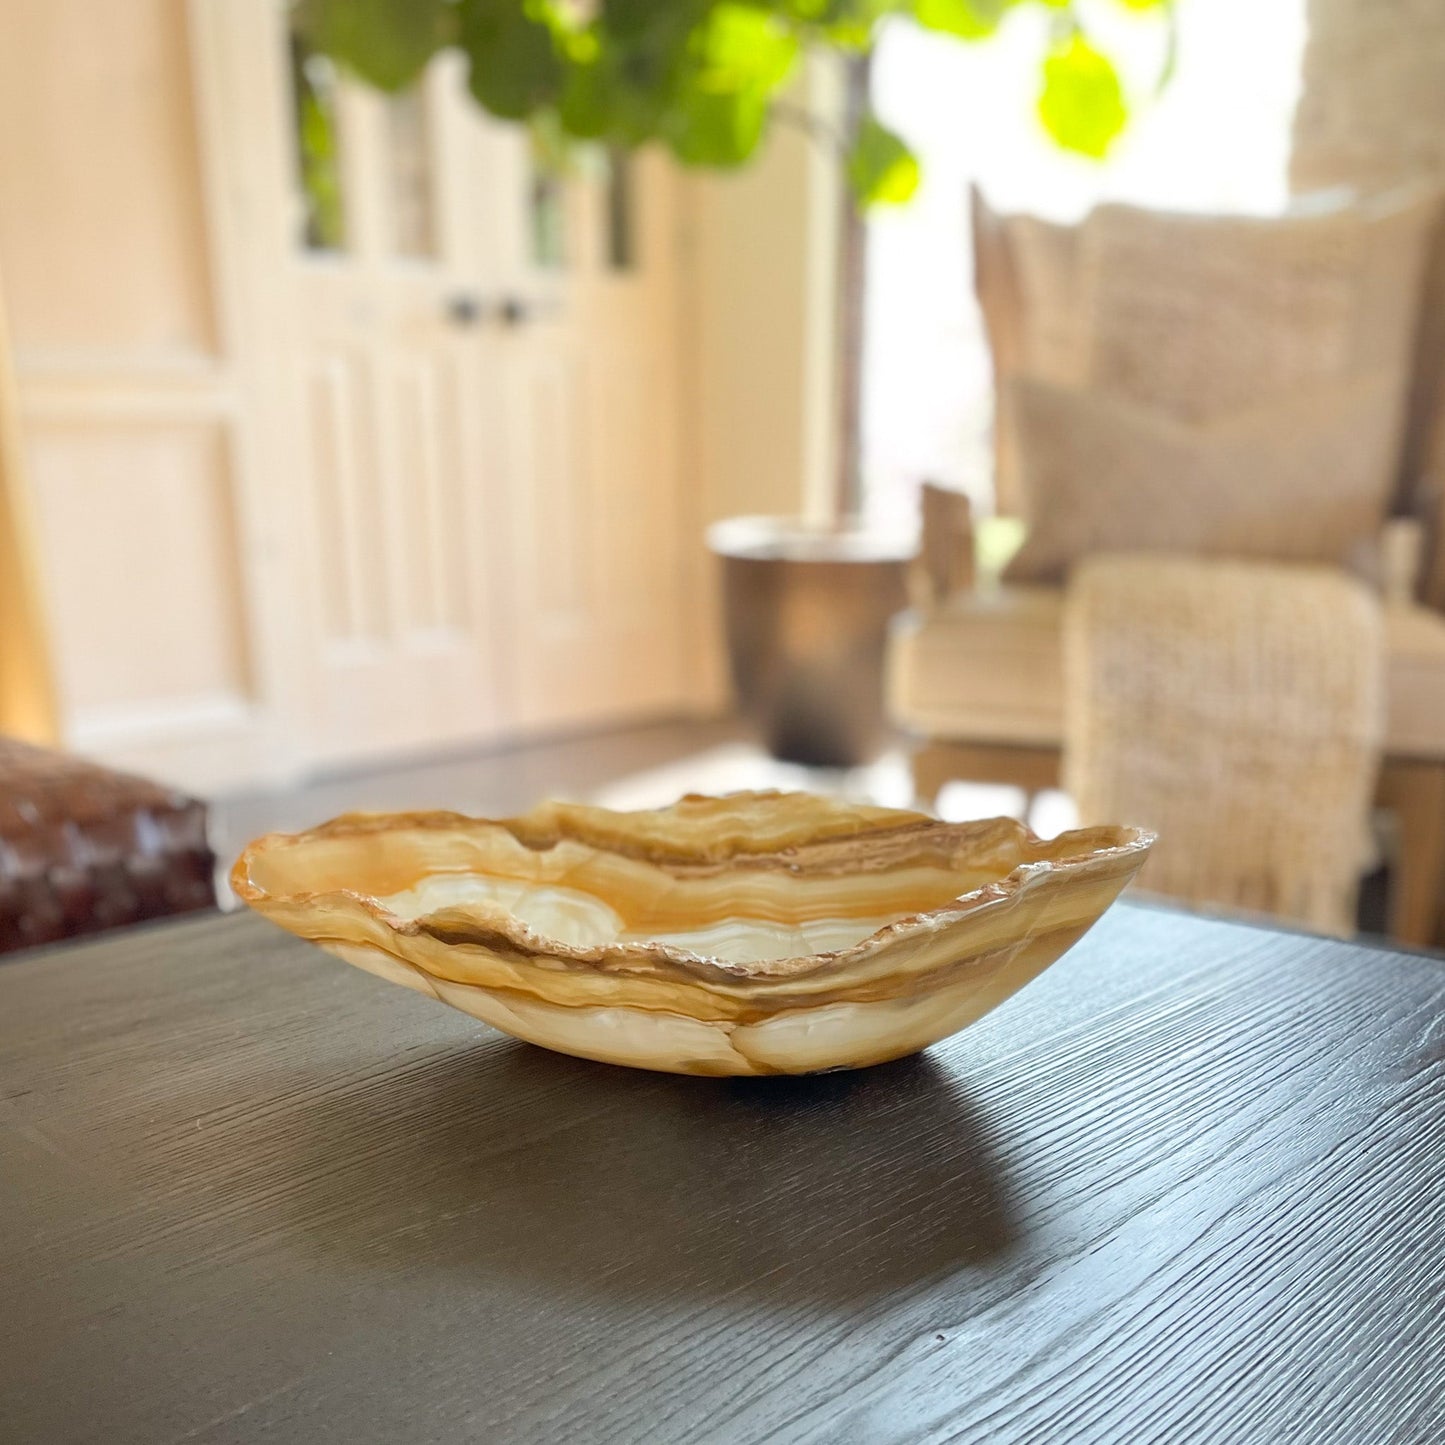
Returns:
(645,766)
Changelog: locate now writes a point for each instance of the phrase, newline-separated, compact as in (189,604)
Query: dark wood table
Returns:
(1189,1186)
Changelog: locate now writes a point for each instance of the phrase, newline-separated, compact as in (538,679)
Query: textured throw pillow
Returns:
(1306,478)
(1026,277)
(1198,316)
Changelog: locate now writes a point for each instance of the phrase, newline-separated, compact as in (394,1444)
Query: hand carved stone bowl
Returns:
(760,933)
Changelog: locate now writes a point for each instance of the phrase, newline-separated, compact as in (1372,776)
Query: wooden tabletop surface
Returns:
(1188,1186)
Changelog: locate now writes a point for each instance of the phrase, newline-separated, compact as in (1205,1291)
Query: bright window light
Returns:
(1216,139)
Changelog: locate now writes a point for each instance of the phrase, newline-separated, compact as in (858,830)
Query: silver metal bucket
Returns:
(807,612)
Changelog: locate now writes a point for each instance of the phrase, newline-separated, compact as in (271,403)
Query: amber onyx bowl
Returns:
(759,933)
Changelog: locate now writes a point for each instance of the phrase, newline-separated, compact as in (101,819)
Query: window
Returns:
(410,187)
(621,203)
(547,214)
(322,212)
(1217,139)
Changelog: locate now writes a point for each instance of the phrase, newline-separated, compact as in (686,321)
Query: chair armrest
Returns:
(945,565)
(1412,564)
(1431,590)
(1402,553)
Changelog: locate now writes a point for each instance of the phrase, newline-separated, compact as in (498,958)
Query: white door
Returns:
(392,400)
(469,369)
(592,451)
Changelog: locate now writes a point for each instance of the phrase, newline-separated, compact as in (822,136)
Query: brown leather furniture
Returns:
(83,848)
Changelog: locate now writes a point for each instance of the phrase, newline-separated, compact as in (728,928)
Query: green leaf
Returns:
(619,87)
(740,46)
(627,19)
(1082,101)
(718,97)
(599,103)
(587,105)
(385,42)
(881,168)
(515,65)
(699,75)
(847,26)
(966,19)
(717,129)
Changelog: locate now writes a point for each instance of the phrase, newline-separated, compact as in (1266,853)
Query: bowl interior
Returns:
(743,909)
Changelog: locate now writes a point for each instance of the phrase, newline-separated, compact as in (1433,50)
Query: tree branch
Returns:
(813,126)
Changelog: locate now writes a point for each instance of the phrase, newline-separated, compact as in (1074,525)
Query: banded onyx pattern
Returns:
(757,933)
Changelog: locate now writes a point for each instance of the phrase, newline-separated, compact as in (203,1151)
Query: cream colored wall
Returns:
(131,410)
(763,248)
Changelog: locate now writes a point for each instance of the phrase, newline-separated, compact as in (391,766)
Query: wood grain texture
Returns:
(1185,1187)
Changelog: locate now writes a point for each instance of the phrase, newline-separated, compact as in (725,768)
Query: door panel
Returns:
(598,361)
(636,498)
(404,656)
(597,542)
(551,502)
(341,498)
(478,430)
(425,404)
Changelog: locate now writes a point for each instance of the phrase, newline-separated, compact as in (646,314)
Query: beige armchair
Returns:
(1225,386)
(976,675)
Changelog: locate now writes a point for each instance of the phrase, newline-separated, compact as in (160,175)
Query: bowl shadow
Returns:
(489,1157)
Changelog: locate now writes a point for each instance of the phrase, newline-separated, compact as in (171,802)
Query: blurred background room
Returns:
(987,406)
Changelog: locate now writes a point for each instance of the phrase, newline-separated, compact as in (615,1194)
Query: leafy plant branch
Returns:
(705,78)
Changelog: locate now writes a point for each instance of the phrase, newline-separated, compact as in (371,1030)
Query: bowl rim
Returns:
(1121,855)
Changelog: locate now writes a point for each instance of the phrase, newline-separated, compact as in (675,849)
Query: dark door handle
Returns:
(518,310)
(464,310)
(514,311)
